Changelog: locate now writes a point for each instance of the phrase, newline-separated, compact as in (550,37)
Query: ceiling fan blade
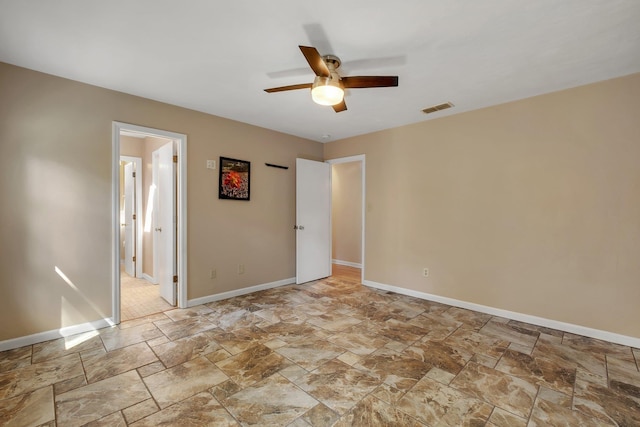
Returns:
(315,61)
(358,82)
(290,87)
(340,107)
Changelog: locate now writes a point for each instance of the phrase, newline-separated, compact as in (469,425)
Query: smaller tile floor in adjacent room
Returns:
(139,298)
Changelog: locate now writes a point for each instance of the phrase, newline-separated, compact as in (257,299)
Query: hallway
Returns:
(139,298)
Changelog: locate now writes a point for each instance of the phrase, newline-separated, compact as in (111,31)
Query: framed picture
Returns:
(234,179)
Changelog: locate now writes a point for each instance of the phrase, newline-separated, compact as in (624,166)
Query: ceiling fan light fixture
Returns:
(328,87)
(327,91)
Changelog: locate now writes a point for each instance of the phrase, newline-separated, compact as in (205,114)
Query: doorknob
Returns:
(159,229)
(298,227)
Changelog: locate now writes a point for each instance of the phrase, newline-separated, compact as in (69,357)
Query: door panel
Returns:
(129,221)
(313,220)
(165,227)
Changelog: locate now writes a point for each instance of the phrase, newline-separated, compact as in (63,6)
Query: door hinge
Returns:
(134,174)
(175,279)
(134,217)
(134,259)
(175,159)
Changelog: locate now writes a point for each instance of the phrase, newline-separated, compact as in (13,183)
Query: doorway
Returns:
(314,219)
(348,214)
(139,272)
(140,293)
(131,232)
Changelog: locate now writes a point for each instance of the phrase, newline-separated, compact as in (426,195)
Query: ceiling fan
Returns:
(328,86)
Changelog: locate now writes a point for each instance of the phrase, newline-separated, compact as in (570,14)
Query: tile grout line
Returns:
(533,406)
(150,394)
(222,405)
(156,354)
(303,391)
(55,407)
(606,365)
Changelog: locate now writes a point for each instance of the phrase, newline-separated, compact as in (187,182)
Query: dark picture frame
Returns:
(235,179)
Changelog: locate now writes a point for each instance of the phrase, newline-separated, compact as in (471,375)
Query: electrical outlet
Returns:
(425,272)
(211,164)
(213,273)
(240,268)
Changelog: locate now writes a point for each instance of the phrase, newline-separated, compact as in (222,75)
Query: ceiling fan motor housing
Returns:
(332,61)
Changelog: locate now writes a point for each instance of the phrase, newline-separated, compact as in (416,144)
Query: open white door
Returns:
(129,220)
(165,227)
(313,220)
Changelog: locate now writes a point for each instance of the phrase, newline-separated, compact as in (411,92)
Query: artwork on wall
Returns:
(234,179)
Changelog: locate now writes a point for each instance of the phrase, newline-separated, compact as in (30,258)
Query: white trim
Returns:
(154,215)
(347,263)
(133,134)
(137,161)
(115,222)
(181,143)
(181,150)
(358,158)
(55,334)
(527,318)
(238,292)
(149,279)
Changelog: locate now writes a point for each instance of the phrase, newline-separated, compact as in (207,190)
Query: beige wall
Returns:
(531,206)
(55,169)
(346,212)
(130,146)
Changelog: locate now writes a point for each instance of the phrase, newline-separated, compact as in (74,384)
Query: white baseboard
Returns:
(55,334)
(535,320)
(238,292)
(149,279)
(347,263)
(540,321)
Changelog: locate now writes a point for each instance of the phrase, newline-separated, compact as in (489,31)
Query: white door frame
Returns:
(137,161)
(181,147)
(357,158)
(154,219)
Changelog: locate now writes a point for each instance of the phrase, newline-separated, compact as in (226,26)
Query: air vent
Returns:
(437,108)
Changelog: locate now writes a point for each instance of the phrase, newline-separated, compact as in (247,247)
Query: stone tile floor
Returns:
(331,352)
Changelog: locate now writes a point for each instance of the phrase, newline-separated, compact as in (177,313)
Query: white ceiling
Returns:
(218,56)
